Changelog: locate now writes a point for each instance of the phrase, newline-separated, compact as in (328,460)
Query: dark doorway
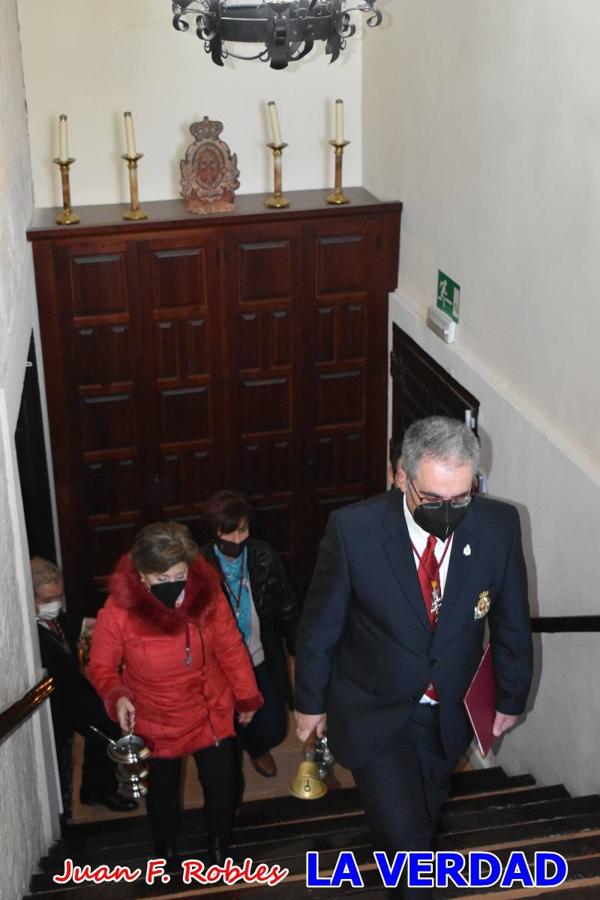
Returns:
(421,387)
(33,466)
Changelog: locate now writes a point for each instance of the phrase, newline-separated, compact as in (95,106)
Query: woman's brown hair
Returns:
(224,511)
(161,545)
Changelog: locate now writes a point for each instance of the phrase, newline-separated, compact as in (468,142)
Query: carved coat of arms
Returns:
(209,173)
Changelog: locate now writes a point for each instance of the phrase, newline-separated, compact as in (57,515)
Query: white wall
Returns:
(26,821)
(92,61)
(483,116)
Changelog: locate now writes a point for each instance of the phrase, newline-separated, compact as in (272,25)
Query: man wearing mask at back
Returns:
(393,626)
(75,704)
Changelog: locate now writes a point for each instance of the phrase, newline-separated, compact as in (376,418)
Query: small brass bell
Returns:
(307,785)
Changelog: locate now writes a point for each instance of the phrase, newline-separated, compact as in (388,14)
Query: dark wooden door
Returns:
(181,376)
(187,355)
(421,387)
(92,366)
(266,393)
(344,417)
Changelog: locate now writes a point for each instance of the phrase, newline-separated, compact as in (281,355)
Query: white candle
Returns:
(63,152)
(276,131)
(339,121)
(129,134)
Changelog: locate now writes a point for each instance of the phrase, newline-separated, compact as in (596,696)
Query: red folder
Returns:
(480,701)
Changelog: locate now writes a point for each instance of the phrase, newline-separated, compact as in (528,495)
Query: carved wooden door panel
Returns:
(182,356)
(421,387)
(93,334)
(344,341)
(181,376)
(264,364)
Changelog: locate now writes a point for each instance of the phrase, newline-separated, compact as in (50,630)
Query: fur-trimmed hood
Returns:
(202,588)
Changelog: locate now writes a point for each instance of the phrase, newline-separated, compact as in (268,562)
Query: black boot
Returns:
(111,799)
(168,851)
(217,851)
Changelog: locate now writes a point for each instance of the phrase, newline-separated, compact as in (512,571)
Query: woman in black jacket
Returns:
(264,603)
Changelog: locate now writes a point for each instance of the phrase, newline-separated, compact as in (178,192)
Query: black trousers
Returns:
(218,774)
(269,724)
(98,774)
(404,787)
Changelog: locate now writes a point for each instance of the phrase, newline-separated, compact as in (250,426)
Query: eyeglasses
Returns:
(431,501)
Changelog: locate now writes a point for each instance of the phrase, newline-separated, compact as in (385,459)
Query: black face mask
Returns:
(440,521)
(230,548)
(167,592)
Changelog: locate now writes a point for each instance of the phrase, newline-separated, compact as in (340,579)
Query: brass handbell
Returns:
(309,783)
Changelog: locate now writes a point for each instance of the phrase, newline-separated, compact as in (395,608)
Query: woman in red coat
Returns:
(167,656)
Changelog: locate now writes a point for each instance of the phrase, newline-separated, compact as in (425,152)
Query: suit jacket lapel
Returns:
(399,553)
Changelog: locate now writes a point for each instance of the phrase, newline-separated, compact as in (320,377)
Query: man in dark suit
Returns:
(75,704)
(393,627)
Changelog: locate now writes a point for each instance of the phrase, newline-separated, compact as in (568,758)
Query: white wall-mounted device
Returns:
(441,324)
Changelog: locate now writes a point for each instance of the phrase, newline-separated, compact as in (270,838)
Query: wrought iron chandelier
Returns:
(287,28)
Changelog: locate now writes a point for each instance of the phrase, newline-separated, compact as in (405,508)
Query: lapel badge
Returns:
(482,607)
(467,550)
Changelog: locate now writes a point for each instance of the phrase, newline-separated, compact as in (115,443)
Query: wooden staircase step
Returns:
(454,822)
(464,784)
(134,840)
(505,799)
(253,813)
(195,844)
(486,810)
(476,781)
(508,834)
(459,832)
(585,890)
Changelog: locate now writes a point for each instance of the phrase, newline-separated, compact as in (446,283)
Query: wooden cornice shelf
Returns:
(108,218)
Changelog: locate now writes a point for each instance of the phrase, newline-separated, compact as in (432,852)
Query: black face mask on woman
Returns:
(167,592)
(230,548)
(440,520)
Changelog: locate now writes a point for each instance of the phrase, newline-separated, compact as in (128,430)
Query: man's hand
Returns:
(244,718)
(125,714)
(502,722)
(306,724)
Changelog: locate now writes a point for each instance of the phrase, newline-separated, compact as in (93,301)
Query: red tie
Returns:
(429,579)
(54,626)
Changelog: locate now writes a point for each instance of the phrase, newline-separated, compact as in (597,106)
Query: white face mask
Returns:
(50,610)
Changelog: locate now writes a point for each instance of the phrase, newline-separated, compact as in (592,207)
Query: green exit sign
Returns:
(448,296)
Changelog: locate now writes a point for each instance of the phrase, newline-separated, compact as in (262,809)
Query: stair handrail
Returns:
(15,715)
(564,624)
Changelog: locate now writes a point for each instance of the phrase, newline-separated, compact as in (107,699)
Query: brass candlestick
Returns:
(134,212)
(337,197)
(67,216)
(277,200)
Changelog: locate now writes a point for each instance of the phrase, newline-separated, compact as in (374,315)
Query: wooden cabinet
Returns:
(183,354)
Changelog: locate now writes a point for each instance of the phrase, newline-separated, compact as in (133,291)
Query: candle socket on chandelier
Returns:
(337,197)
(277,200)
(67,216)
(134,212)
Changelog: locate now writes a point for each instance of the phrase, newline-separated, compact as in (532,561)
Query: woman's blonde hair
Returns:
(161,545)
(44,572)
